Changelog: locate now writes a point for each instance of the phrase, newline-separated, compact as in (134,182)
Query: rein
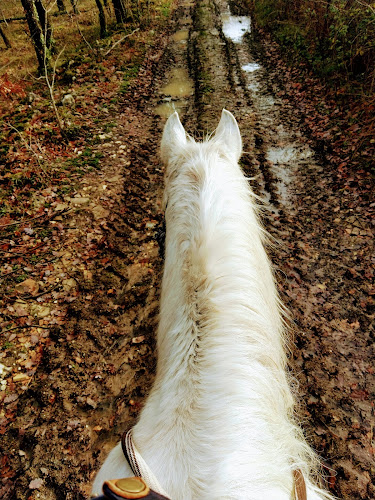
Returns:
(146,486)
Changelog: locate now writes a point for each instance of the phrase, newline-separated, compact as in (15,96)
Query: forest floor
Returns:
(78,324)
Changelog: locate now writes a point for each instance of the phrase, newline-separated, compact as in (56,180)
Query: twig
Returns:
(51,84)
(29,297)
(3,67)
(25,326)
(19,254)
(27,145)
(369,6)
(50,217)
(119,41)
(74,16)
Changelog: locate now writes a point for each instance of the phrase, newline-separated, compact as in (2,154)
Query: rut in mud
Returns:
(96,371)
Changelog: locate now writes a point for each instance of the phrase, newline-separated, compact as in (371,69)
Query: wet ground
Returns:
(96,371)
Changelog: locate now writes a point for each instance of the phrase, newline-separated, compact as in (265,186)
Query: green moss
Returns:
(88,158)
(129,74)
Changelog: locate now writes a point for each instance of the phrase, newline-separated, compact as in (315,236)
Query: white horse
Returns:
(218,423)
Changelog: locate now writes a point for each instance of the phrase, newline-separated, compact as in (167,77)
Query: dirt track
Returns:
(97,369)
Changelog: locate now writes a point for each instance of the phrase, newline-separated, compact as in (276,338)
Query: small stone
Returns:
(36,483)
(68,100)
(20,377)
(40,311)
(79,200)
(69,284)
(10,398)
(100,212)
(60,207)
(138,340)
(91,402)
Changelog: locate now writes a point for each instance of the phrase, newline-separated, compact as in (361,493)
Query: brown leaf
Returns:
(29,286)
(138,340)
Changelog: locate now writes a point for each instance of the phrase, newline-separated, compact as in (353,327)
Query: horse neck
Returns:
(219,306)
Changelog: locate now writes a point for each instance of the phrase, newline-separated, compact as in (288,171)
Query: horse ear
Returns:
(174,137)
(229,134)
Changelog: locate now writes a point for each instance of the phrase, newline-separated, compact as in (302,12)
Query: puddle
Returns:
(179,84)
(251,67)
(266,102)
(284,160)
(281,155)
(254,86)
(181,36)
(280,158)
(234,27)
(167,108)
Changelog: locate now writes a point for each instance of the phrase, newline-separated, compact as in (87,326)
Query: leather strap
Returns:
(299,486)
(132,464)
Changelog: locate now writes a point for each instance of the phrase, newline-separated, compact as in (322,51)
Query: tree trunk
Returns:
(5,38)
(61,6)
(107,6)
(74,5)
(119,11)
(102,21)
(37,33)
(44,22)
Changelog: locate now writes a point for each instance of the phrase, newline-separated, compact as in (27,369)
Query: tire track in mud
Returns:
(225,85)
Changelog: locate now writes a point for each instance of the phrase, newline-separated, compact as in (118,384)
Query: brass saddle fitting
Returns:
(130,487)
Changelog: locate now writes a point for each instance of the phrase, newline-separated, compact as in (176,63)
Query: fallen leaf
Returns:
(138,340)
(28,286)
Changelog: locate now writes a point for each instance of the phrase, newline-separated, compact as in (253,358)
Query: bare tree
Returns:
(40,31)
(61,6)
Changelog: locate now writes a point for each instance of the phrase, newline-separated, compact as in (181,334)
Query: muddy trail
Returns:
(96,370)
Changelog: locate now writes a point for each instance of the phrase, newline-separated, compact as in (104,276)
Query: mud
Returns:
(96,371)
